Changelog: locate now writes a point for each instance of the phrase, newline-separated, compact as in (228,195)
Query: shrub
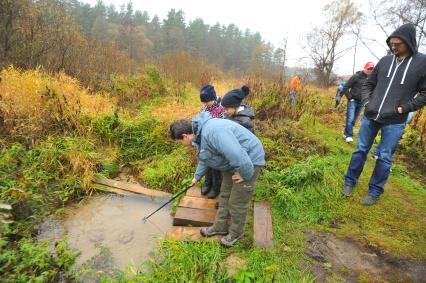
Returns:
(34,261)
(132,90)
(34,104)
(54,172)
(143,139)
(168,171)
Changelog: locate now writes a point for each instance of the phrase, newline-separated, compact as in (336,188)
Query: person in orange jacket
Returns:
(294,88)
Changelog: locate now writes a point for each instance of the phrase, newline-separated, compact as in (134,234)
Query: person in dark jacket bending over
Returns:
(352,90)
(237,112)
(226,146)
(396,87)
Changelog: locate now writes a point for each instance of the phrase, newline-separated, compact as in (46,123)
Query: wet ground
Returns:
(356,263)
(110,227)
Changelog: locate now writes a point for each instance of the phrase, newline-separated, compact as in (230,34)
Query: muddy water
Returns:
(113,223)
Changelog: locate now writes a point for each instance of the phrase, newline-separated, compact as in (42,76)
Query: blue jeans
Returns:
(352,112)
(368,131)
(293,97)
(379,146)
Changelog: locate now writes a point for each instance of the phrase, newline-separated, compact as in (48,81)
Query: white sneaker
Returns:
(349,139)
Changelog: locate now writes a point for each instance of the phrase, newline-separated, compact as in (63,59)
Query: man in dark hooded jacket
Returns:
(396,87)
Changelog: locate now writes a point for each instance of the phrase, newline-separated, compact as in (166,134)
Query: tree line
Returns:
(91,42)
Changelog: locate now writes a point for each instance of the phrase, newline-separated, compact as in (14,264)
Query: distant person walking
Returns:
(396,87)
(339,93)
(294,89)
(352,90)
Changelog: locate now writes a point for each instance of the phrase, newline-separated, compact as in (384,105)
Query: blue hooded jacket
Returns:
(226,146)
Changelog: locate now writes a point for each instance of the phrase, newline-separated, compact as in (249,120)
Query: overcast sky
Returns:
(273,19)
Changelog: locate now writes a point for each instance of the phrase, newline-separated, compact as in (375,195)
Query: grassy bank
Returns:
(41,171)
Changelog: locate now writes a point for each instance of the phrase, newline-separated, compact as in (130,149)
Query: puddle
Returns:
(113,223)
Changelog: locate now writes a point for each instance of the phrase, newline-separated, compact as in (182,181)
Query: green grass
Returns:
(167,171)
(307,160)
(303,179)
(37,182)
(181,261)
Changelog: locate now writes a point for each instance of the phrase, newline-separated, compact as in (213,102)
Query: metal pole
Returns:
(172,199)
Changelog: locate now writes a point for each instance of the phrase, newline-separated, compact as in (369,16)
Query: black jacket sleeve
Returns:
(348,86)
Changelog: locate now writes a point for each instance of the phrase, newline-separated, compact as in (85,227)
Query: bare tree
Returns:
(280,57)
(393,13)
(323,41)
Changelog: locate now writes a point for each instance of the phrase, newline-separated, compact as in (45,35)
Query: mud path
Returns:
(355,263)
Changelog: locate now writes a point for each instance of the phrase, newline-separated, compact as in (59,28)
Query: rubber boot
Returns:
(208,182)
(217,182)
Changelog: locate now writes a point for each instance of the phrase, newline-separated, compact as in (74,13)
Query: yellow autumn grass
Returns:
(83,165)
(32,103)
(173,108)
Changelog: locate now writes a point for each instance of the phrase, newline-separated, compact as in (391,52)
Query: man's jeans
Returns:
(379,146)
(353,110)
(391,134)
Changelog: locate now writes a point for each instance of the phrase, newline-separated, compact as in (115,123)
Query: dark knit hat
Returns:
(235,97)
(207,93)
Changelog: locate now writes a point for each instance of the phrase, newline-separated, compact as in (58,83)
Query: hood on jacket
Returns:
(406,33)
(247,111)
(198,123)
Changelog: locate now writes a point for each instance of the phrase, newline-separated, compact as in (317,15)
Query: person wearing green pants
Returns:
(229,147)
(234,201)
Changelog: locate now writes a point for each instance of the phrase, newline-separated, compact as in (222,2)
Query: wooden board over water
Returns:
(198,203)
(113,190)
(195,217)
(195,192)
(195,209)
(262,236)
(134,188)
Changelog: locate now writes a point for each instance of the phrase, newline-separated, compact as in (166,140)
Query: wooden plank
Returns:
(114,190)
(195,217)
(188,234)
(200,203)
(195,192)
(262,226)
(135,188)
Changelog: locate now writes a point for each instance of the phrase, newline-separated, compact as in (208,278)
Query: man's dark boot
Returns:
(208,182)
(217,182)
(347,190)
(369,200)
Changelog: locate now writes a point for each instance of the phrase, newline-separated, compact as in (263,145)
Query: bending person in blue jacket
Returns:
(229,147)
